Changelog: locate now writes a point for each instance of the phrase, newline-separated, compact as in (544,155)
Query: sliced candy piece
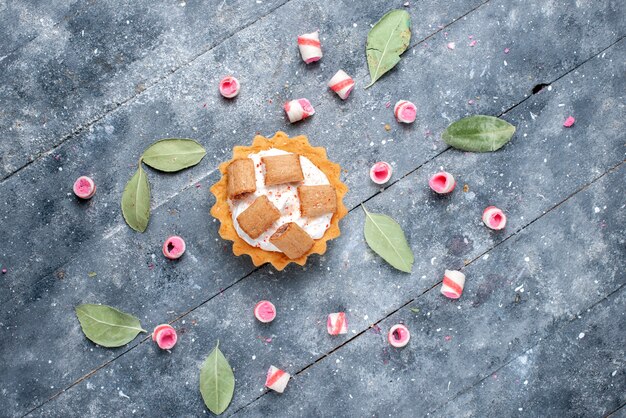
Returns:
(241,177)
(398,336)
(258,217)
(453,283)
(229,87)
(494,218)
(174,247)
(569,122)
(337,324)
(380,173)
(317,200)
(165,336)
(284,168)
(310,47)
(298,110)
(277,379)
(405,111)
(342,84)
(84,187)
(265,311)
(442,182)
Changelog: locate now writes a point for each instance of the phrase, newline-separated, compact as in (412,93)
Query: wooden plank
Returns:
(526,293)
(353,274)
(101,55)
(576,371)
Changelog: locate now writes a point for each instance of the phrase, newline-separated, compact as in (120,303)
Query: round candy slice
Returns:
(398,336)
(265,311)
(380,173)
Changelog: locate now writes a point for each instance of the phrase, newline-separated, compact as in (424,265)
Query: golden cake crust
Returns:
(297,145)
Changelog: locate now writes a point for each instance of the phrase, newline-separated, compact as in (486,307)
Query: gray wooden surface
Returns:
(540,329)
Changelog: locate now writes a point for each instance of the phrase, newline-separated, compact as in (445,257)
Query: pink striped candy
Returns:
(165,336)
(494,218)
(398,336)
(84,187)
(342,84)
(298,110)
(337,323)
(453,283)
(405,111)
(442,182)
(277,379)
(310,47)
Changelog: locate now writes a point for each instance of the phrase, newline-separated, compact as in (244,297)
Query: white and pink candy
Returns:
(298,110)
(342,84)
(405,111)
(165,336)
(277,379)
(494,218)
(398,336)
(453,283)
(337,324)
(174,247)
(310,47)
(229,87)
(442,182)
(380,173)
(265,311)
(84,187)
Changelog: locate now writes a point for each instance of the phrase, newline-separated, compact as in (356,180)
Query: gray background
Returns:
(540,330)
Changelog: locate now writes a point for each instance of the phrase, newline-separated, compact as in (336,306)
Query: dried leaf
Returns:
(107,326)
(136,201)
(414,310)
(478,133)
(173,154)
(217,382)
(386,41)
(386,238)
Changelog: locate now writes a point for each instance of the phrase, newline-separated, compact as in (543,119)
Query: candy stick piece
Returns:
(241,178)
(494,218)
(442,182)
(298,110)
(258,217)
(398,336)
(229,87)
(453,283)
(337,324)
(265,311)
(280,169)
(405,111)
(342,84)
(277,379)
(310,47)
(84,187)
(292,240)
(380,173)
(317,200)
(165,336)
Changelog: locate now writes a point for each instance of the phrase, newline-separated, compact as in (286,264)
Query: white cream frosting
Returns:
(285,198)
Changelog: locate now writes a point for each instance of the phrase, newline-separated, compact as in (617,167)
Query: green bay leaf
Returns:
(478,133)
(386,41)
(136,201)
(107,326)
(217,381)
(173,154)
(386,238)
